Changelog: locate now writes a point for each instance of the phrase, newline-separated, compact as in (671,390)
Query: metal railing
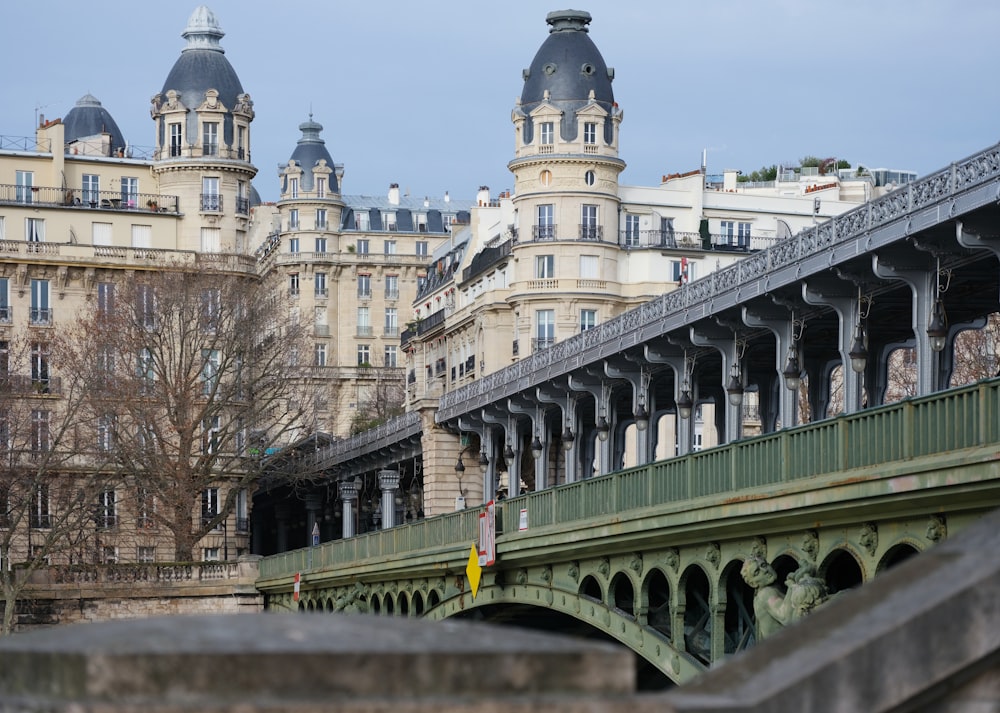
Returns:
(211,203)
(49,196)
(964,418)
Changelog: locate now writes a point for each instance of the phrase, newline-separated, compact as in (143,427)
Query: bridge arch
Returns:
(622,594)
(694,611)
(591,588)
(656,602)
(736,602)
(842,569)
(898,552)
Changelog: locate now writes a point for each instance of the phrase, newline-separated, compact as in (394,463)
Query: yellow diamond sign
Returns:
(473,571)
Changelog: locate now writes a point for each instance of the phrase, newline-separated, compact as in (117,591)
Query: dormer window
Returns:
(589,132)
(293,187)
(547,132)
(320,187)
(210,138)
(175,139)
(241,142)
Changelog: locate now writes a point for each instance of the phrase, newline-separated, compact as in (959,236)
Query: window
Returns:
(40,313)
(175,139)
(546,133)
(320,355)
(321,222)
(743,234)
(40,367)
(242,511)
(321,190)
(545,230)
(145,303)
(589,178)
(362,246)
(390,247)
(364,355)
(142,236)
(107,509)
(392,287)
(25,182)
(545,177)
(588,319)
(391,323)
(130,191)
(5,312)
(145,554)
(545,267)
(421,221)
(144,370)
(589,267)
(101,233)
(105,433)
(241,142)
(421,281)
(389,221)
(421,247)
(364,322)
(293,219)
(209,370)
(545,328)
(293,245)
(321,245)
(91,188)
(683,270)
(209,504)
(39,432)
(390,356)
(109,554)
(364,285)
(242,199)
(293,187)
(631,231)
(210,138)
(589,229)
(211,307)
(34,230)
(4,376)
(727,229)
(293,284)
(589,132)
(320,281)
(362,221)
(210,198)
(40,512)
(210,554)
(145,508)
(210,435)
(3,234)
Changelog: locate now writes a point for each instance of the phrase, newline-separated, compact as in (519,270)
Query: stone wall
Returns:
(67,595)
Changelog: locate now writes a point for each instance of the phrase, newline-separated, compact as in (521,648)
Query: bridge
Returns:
(650,555)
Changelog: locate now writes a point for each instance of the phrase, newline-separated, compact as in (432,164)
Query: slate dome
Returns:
(88,118)
(568,66)
(203,66)
(310,150)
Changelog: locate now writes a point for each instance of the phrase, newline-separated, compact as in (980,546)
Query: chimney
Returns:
(483,196)
(394,193)
(447,198)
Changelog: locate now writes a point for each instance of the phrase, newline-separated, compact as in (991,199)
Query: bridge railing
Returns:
(960,418)
(951,420)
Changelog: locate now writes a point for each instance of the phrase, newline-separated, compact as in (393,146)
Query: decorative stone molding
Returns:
(810,544)
(937,528)
(868,537)
(713,554)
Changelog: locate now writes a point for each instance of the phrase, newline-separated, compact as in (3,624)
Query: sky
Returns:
(421,93)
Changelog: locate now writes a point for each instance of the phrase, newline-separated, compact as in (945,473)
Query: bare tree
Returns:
(190,372)
(977,353)
(57,489)
(379,400)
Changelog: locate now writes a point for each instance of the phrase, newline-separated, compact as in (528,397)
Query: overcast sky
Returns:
(420,93)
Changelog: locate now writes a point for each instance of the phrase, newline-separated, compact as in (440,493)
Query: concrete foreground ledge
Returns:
(314,662)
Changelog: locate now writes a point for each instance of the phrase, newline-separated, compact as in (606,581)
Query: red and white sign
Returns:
(488,535)
(295,591)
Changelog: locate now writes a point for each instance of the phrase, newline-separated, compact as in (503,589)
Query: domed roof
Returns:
(203,66)
(569,67)
(89,118)
(309,151)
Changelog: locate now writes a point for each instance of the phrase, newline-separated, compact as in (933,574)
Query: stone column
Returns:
(349,495)
(388,482)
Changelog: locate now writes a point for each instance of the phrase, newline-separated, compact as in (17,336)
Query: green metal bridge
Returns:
(651,556)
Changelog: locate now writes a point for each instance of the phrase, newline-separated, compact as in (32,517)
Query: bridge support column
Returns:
(349,496)
(641,407)
(724,342)
(440,449)
(388,483)
(601,391)
(778,323)
(846,305)
(313,505)
(922,283)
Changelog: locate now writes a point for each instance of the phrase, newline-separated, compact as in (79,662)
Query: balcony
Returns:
(391,294)
(40,317)
(210,203)
(242,525)
(430,322)
(78,199)
(391,330)
(543,232)
(243,206)
(538,343)
(591,232)
(364,294)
